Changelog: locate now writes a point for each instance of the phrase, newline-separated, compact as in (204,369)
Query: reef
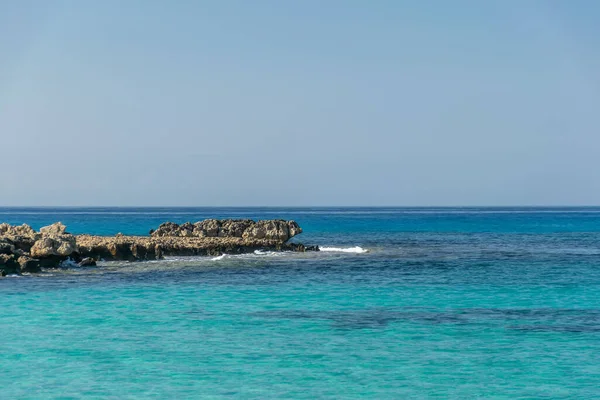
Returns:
(22,249)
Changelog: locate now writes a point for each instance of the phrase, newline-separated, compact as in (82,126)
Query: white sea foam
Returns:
(267,253)
(356,249)
(255,255)
(69,263)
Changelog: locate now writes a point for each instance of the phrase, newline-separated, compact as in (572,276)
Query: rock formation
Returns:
(22,249)
(278,229)
(54,241)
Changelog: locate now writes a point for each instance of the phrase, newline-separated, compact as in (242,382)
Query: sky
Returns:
(299,103)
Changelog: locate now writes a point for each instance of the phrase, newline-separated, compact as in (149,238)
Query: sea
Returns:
(401,303)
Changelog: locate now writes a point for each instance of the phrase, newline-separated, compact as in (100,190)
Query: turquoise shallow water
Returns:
(447,303)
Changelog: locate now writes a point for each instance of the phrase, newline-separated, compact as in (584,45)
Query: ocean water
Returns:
(448,303)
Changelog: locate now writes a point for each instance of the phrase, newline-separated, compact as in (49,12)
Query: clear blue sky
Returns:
(299,102)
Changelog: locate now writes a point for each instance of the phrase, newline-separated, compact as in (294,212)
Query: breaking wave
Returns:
(356,249)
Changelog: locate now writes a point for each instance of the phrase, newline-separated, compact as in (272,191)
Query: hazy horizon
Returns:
(300,104)
(304,207)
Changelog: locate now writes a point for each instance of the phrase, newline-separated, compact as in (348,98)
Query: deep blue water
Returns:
(447,303)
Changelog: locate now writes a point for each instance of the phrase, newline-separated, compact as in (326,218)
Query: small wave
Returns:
(68,263)
(266,253)
(356,249)
(222,256)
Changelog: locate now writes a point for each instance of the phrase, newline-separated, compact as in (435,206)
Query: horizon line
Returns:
(305,206)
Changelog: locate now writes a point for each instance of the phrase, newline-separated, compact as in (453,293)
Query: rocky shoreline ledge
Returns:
(22,249)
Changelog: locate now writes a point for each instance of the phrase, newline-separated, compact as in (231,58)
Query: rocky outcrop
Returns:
(6,247)
(279,230)
(273,229)
(9,264)
(21,237)
(139,248)
(21,230)
(54,245)
(28,264)
(22,249)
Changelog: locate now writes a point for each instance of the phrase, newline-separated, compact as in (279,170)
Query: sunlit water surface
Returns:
(407,303)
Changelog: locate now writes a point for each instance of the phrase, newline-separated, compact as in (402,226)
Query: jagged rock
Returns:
(234,228)
(299,247)
(165,229)
(120,251)
(186,230)
(23,249)
(55,241)
(22,230)
(28,264)
(52,261)
(9,264)
(242,228)
(19,252)
(273,229)
(145,251)
(135,248)
(21,237)
(22,240)
(57,228)
(6,247)
(62,246)
(158,251)
(23,243)
(87,262)
(294,228)
(207,228)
